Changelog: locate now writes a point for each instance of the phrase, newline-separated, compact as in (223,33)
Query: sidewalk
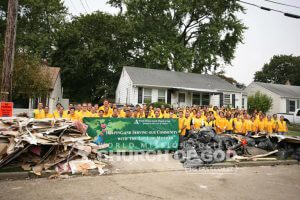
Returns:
(134,164)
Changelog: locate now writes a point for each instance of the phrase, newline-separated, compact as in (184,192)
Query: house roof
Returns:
(290,91)
(178,80)
(53,74)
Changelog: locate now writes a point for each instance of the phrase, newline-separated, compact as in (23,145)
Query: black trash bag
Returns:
(250,142)
(266,144)
(283,154)
(296,157)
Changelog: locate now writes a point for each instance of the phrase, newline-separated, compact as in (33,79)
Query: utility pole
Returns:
(9,50)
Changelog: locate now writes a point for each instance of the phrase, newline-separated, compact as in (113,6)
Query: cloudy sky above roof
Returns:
(268,34)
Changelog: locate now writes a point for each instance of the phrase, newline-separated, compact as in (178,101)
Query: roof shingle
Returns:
(171,79)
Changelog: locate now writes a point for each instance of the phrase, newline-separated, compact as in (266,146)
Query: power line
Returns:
(87,5)
(275,2)
(270,9)
(83,6)
(74,6)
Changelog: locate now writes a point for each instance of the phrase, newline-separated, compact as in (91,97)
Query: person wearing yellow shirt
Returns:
(60,112)
(210,122)
(106,113)
(221,123)
(261,124)
(115,113)
(122,113)
(141,113)
(238,126)
(282,127)
(269,125)
(275,121)
(78,108)
(198,121)
(229,127)
(84,112)
(47,114)
(39,113)
(254,126)
(135,114)
(73,116)
(128,113)
(181,124)
(106,105)
(247,125)
(172,115)
(157,114)
(187,122)
(94,112)
(167,113)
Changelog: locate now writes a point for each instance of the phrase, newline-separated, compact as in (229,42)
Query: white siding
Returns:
(55,95)
(125,89)
(215,100)
(278,104)
(133,95)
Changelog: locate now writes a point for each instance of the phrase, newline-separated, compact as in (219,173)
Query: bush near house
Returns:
(159,104)
(260,102)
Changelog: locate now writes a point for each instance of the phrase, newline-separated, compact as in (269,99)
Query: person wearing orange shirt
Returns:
(221,123)
(282,126)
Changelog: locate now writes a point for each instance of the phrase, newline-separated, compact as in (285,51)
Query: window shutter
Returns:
(233,100)
(287,105)
(221,99)
(140,95)
(169,97)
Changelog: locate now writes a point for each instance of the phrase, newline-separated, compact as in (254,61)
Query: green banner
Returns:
(130,134)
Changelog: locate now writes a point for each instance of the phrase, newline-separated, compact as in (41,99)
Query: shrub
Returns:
(259,102)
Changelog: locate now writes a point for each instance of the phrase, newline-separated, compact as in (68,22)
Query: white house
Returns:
(55,94)
(143,85)
(286,98)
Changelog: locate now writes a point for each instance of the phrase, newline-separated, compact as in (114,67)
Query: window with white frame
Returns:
(147,95)
(227,100)
(196,98)
(205,99)
(161,95)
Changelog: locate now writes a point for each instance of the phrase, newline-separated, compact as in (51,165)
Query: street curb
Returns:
(31,175)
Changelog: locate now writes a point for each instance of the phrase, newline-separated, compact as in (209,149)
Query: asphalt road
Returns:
(280,182)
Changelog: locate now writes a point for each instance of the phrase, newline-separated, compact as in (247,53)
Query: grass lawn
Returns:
(294,130)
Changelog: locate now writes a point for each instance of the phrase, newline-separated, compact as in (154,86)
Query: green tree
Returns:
(260,102)
(183,35)
(37,25)
(30,78)
(91,51)
(280,69)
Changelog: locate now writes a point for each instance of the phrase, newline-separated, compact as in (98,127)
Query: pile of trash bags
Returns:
(41,145)
(204,147)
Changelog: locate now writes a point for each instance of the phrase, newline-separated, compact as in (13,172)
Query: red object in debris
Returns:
(244,142)
(6,109)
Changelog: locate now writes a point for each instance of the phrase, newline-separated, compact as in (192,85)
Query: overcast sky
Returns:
(268,34)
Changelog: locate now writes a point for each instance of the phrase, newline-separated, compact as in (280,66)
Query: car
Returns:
(293,118)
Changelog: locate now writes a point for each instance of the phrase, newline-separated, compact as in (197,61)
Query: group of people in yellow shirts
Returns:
(222,120)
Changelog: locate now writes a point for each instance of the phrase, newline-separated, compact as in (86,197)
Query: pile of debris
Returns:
(46,144)
(204,147)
